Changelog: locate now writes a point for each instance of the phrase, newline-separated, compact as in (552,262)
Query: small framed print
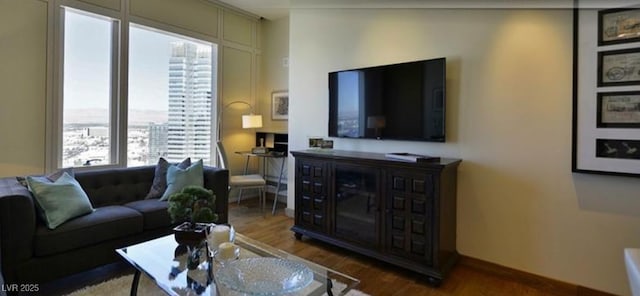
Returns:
(280,105)
(622,149)
(619,67)
(315,142)
(619,109)
(326,144)
(618,26)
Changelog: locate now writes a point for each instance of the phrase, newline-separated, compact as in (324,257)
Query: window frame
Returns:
(121,22)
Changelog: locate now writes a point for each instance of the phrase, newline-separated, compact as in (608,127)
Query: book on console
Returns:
(411,157)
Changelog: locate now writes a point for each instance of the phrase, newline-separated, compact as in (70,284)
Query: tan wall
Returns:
(509,96)
(274,75)
(23,60)
(240,51)
(194,15)
(110,4)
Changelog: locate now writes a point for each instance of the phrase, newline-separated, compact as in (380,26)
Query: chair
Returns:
(242,182)
(632,264)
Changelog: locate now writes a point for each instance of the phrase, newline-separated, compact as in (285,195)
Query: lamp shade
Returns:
(376,122)
(251,121)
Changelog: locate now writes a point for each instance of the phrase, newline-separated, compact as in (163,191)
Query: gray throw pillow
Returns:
(159,185)
(56,175)
(51,177)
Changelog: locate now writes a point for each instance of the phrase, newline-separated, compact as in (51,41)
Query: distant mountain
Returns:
(100,116)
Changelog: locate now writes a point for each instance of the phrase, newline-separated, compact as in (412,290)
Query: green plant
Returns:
(193,204)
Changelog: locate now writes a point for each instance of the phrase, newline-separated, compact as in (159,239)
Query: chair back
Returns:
(222,155)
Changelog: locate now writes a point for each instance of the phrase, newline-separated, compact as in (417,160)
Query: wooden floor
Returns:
(376,278)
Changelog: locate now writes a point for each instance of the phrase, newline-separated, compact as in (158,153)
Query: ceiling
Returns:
(274,9)
(269,9)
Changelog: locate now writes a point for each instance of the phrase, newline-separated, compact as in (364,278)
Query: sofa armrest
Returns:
(217,179)
(18,224)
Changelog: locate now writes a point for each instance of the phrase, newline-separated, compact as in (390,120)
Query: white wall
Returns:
(509,96)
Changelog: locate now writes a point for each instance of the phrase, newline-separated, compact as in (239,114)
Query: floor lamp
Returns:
(248,121)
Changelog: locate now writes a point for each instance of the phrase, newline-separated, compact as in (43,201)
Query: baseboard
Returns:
(289,212)
(546,285)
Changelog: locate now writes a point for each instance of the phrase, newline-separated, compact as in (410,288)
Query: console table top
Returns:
(370,156)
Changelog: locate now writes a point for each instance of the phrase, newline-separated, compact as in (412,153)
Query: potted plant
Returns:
(194,206)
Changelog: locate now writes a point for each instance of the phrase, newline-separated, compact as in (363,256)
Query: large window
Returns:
(171,88)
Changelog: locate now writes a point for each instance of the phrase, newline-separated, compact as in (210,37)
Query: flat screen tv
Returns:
(398,102)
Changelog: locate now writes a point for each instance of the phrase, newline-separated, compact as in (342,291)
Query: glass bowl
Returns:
(264,276)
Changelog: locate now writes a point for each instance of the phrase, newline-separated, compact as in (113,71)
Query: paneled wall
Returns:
(24,52)
(23,56)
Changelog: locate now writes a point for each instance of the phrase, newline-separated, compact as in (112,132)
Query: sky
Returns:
(87,64)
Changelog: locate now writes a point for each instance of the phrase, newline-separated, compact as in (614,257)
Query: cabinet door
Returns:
(355,204)
(311,195)
(409,215)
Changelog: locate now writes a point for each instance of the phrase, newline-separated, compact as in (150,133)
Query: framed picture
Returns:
(618,26)
(619,109)
(606,110)
(619,67)
(624,149)
(280,105)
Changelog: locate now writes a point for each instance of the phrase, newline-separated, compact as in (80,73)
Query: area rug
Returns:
(122,287)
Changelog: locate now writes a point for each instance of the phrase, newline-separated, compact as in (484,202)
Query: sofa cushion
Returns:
(116,186)
(154,212)
(103,224)
(178,178)
(160,177)
(59,201)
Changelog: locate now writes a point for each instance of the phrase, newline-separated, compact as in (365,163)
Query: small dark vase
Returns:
(191,234)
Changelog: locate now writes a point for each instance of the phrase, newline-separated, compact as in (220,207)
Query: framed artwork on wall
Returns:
(606,91)
(280,105)
(619,67)
(619,109)
(618,26)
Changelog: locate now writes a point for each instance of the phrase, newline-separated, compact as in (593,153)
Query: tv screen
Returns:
(401,101)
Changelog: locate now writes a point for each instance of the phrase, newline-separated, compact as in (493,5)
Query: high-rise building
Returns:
(157,142)
(189,126)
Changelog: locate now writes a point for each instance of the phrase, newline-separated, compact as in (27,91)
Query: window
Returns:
(170,86)
(87,126)
(171,79)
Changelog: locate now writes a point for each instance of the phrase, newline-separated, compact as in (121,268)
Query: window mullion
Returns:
(115,95)
(123,87)
(56,104)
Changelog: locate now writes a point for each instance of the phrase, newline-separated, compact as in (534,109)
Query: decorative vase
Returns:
(191,234)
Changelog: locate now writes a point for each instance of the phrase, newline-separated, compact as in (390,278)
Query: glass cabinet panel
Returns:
(356,206)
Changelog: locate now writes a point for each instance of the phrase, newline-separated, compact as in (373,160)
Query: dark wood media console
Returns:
(397,211)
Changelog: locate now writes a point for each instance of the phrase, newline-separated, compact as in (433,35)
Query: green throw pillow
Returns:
(59,201)
(178,178)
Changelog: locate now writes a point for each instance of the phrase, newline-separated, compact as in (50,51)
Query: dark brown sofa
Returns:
(32,253)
